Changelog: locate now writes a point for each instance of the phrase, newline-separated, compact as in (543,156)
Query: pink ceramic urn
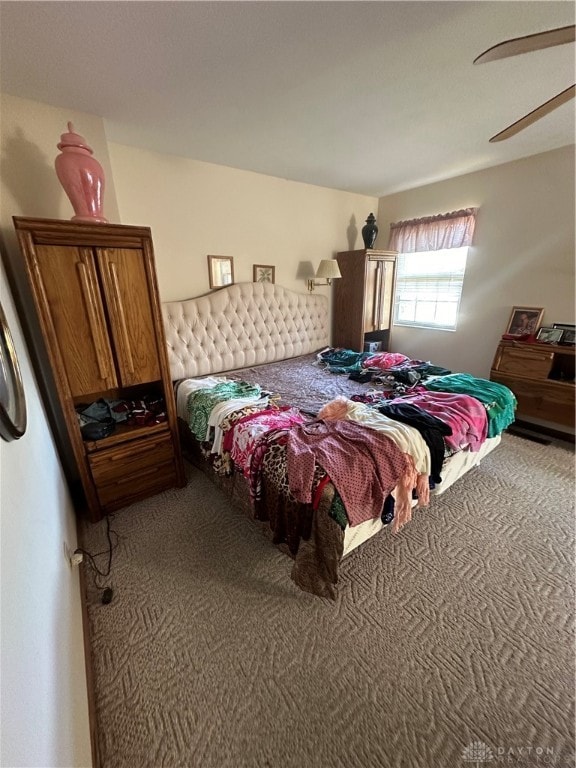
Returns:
(82,177)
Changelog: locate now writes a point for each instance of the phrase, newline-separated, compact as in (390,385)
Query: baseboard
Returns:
(539,433)
(91,691)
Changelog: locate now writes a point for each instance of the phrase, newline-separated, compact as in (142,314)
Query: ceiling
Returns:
(368,97)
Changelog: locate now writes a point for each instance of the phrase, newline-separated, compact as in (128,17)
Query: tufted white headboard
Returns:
(242,325)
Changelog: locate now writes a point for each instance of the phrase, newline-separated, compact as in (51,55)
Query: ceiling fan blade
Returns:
(528,43)
(536,114)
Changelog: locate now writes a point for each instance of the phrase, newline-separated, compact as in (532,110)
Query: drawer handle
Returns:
(149,471)
(121,316)
(95,329)
(139,452)
(531,355)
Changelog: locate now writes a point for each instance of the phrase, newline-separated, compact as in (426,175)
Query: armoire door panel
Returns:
(386,295)
(125,284)
(372,288)
(70,285)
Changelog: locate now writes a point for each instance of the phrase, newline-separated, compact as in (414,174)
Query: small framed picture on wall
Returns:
(220,271)
(263,273)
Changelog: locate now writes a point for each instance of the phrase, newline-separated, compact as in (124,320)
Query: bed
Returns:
(263,343)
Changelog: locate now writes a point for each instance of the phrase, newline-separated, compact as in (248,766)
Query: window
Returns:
(430,270)
(428,288)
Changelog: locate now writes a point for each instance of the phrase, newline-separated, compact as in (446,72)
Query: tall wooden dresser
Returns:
(97,334)
(363,298)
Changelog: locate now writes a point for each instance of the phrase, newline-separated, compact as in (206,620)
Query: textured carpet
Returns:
(451,644)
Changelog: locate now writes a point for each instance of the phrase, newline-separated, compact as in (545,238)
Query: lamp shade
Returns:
(328,268)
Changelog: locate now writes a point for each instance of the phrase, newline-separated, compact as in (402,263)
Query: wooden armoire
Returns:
(363,299)
(97,334)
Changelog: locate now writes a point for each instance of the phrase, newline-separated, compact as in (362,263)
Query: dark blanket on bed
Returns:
(300,382)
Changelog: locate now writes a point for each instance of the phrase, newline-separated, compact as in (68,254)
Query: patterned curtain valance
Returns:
(433,233)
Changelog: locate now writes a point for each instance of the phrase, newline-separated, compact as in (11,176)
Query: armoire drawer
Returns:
(130,459)
(128,488)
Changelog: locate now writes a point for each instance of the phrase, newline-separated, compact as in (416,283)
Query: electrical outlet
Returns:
(72,558)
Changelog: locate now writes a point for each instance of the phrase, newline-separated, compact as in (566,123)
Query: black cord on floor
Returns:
(91,559)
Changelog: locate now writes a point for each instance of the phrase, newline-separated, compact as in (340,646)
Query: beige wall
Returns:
(44,698)
(523,253)
(195,209)
(30,133)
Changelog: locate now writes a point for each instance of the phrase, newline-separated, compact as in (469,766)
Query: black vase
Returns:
(369,231)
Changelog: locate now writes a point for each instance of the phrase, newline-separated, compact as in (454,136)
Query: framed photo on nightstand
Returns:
(549,335)
(524,321)
(568,335)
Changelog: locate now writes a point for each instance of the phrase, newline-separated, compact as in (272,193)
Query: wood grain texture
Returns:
(542,378)
(127,489)
(99,310)
(70,285)
(130,459)
(534,363)
(132,324)
(363,297)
